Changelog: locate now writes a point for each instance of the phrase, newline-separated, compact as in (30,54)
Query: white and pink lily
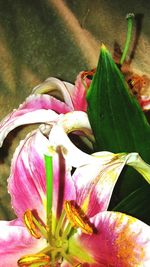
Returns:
(78,230)
(42,107)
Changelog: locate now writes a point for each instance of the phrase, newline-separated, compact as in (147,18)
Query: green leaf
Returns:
(117,121)
(137,204)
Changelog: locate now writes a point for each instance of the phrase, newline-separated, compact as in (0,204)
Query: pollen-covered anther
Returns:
(36,260)
(76,218)
(28,220)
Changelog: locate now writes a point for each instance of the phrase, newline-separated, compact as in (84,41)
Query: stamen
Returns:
(37,260)
(77,219)
(28,220)
(34,227)
(67,230)
(60,225)
(129,18)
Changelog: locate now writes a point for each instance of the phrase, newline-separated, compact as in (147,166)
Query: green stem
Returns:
(129,18)
(49,186)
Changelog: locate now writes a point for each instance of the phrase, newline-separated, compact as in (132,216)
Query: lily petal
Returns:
(16,241)
(140,165)
(57,88)
(36,109)
(26,183)
(79,93)
(119,240)
(95,183)
(63,185)
(72,121)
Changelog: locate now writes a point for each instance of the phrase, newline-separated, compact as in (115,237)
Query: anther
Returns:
(28,220)
(38,259)
(77,220)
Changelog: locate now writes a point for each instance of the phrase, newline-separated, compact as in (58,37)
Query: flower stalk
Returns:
(129,18)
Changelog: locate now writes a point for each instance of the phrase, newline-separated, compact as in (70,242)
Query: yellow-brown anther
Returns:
(39,259)
(76,219)
(28,220)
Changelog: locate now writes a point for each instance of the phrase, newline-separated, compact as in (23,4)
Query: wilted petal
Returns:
(16,241)
(26,183)
(119,240)
(36,109)
(57,88)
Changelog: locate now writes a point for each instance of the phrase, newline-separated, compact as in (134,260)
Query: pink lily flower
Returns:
(79,231)
(42,107)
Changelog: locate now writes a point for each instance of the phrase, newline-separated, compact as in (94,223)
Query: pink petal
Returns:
(119,240)
(63,185)
(16,241)
(26,183)
(36,109)
(56,87)
(95,183)
(79,93)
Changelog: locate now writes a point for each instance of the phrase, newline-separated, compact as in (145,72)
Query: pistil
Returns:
(49,189)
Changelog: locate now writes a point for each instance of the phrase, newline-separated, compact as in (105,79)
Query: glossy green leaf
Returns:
(117,121)
(137,204)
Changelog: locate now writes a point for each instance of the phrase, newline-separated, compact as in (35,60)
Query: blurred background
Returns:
(43,38)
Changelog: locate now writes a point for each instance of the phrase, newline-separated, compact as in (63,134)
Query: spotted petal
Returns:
(36,109)
(15,241)
(119,240)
